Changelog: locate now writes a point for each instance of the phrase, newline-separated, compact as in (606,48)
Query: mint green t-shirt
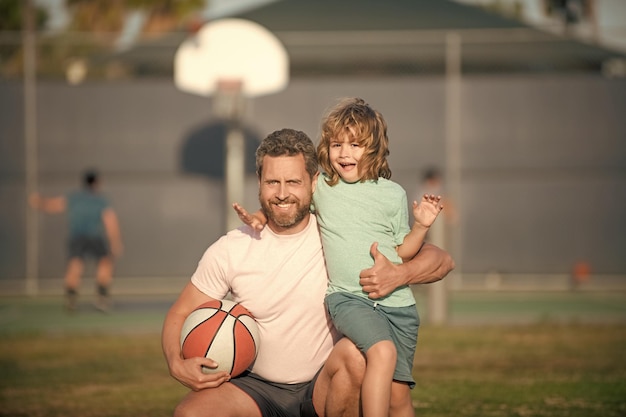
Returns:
(352,217)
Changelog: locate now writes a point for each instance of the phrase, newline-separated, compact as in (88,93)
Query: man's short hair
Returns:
(90,178)
(287,142)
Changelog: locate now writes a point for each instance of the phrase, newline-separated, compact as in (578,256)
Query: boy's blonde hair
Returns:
(365,126)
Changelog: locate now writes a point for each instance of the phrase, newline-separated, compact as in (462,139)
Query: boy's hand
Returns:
(252,220)
(427,210)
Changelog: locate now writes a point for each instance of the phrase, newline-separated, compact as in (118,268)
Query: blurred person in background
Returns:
(93,231)
(432,182)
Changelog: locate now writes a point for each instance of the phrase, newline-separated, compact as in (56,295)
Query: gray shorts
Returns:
(88,246)
(366,323)
(278,400)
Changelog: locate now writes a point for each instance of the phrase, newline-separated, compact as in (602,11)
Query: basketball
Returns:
(223,331)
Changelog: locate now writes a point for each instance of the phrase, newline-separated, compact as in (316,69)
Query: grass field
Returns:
(95,365)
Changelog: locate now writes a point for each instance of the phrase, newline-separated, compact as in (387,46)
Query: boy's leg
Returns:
(401,404)
(376,391)
(338,387)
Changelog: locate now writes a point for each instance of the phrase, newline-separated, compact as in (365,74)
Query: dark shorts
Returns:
(88,246)
(278,400)
(366,323)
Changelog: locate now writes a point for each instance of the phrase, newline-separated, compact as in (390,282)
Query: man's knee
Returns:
(182,410)
(352,362)
(337,390)
(189,407)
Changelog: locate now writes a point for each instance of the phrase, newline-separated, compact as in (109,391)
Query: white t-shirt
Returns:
(281,280)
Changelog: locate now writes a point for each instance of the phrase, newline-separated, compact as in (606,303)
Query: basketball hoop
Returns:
(229,102)
(232,60)
(227,52)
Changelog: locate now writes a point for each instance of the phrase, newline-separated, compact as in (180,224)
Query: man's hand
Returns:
(189,373)
(382,278)
(34,200)
(430,264)
(53,205)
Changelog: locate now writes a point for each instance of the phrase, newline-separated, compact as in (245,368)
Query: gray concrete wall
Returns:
(543,164)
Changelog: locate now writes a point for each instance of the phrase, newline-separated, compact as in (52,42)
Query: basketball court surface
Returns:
(134,313)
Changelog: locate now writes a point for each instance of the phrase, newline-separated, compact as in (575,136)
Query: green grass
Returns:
(85,375)
(529,307)
(561,354)
(531,370)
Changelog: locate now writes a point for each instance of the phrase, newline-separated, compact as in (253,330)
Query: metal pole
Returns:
(453,135)
(234,172)
(229,105)
(437,292)
(30,147)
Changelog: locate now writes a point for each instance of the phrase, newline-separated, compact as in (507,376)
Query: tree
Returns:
(11,15)
(94,28)
(108,15)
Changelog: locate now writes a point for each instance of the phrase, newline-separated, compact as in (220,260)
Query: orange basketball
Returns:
(223,331)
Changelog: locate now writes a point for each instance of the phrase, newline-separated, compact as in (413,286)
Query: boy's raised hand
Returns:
(256,220)
(427,210)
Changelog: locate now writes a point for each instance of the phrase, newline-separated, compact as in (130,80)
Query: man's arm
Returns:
(53,205)
(112,228)
(187,371)
(431,264)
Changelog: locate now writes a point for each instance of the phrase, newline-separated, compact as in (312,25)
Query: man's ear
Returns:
(314,181)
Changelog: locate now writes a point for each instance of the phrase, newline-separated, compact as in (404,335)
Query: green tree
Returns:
(12,21)
(93,30)
(11,15)
(108,15)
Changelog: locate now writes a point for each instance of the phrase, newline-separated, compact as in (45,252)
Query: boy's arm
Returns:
(431,264)
(425,214)
(412,242)
(256,220)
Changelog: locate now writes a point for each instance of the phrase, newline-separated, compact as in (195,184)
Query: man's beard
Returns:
(285,220)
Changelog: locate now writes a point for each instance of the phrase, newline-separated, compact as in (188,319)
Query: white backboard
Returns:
(232,50)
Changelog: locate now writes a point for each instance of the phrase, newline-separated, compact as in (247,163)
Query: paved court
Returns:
(145,313)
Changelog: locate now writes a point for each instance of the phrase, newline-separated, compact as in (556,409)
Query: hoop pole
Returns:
(229,106)
(30,148)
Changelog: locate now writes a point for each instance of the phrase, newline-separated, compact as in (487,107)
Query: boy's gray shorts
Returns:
(365,323)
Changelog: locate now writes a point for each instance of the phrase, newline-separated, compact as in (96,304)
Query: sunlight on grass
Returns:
(540,370)
(554,370)
(86,376)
